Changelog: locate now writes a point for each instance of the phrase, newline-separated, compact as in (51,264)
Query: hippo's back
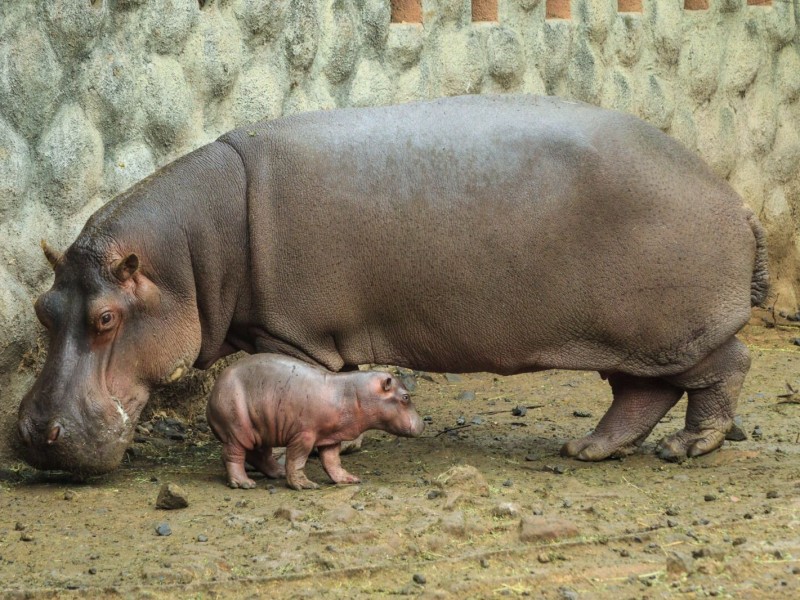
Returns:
(492,233)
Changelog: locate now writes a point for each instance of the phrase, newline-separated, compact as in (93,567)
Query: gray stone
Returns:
(626,39)
(655,104)
(744,56)
(15,169)
(545,529)
(168,24)
(585,73)
(301,35)
(30,80)
(71,152)
(505,58)
(666,22)
(404,45)
(75,26)
(262,18)
(597,17)
(171,496)
(340,46)
(454,524)
(787,74)
(212,56)
(557,45)
(461,65)
(375,18)
(700,65)
(126,165)
(168,102)
(258,93)
(371,86)
(112,95)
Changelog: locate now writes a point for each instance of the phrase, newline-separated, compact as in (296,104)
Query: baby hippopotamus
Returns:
(269,400)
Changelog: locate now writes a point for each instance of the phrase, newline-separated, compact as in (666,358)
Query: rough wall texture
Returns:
(96,94)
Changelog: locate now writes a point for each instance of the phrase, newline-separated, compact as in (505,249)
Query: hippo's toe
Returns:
(596,447)
(682,444)
(243,484)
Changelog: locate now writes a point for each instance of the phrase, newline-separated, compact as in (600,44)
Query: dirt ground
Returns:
(488,509)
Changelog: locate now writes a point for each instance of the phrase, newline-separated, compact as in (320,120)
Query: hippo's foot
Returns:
(713,387)
(266,463)
(237,476)
(595,447)
(242,484)
(329,457)
(639,403)
(299,481)
(678,446)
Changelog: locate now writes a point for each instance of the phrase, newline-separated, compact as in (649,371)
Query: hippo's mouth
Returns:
(83,454)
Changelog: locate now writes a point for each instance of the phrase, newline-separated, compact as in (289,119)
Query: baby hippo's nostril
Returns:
(53,432)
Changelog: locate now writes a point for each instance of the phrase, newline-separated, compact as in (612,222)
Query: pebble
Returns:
(92,571)
(624,553)
(543,557)
(466,395)
(452,378)
(419,578)
(757,433)
(678,563)
(736,434)
(477,420)
(18,526)
(289,514)
(709,497)
(69,495)
(567,594)
(796,341)
(537,529)
(672,523)
(427,419)
(26,537)
(771,494)
(171,496)
(509,483)
(567,503)
(583,414)
(672,511)
(271,489)
(461,421)
(519,411)
(485,563)
(202,538)
(506,509)
(557,469)
(433,494)
(739,541)
(163,529)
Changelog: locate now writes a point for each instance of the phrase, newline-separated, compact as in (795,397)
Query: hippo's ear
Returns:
(124,268)
(386,384)
(51,255)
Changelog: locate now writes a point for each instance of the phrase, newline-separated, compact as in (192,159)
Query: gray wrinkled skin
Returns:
(501,234)
(268,400)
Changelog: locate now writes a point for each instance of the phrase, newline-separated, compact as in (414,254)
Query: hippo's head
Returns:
(113,334)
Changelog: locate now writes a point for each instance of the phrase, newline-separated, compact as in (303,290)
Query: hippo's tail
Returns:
(759,286)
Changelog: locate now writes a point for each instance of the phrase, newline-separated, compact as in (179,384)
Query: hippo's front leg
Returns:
(297,451)
(329,456)
(638,406)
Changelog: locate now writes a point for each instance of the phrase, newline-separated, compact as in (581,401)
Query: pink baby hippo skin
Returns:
(266,401)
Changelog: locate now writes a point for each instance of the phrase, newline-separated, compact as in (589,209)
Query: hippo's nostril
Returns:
(53,433)
(24,429)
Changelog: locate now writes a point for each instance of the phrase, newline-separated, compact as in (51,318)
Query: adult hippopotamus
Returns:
(503,234)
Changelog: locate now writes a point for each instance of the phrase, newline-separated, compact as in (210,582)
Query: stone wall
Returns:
(96,94)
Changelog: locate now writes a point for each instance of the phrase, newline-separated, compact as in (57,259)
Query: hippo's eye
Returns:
(406,398)
(105,320)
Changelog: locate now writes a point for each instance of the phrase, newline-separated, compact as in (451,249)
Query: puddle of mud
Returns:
(727,524)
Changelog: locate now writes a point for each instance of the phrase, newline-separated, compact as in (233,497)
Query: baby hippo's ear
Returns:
(386,384)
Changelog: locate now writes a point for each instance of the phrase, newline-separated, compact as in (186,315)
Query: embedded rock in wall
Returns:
(96,95)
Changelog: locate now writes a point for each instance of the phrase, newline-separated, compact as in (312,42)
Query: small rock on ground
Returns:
(465,478)
(538,529)
(171,496)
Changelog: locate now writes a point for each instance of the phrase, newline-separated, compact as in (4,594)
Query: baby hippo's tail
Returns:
(759,287)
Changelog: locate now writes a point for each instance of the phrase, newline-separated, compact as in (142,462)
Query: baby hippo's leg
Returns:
(329,456)
(263,460)
(297,451)
(233,456)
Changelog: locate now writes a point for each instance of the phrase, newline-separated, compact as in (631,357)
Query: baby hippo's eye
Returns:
(406,398)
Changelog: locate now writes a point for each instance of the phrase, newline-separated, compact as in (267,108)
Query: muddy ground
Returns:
(489,509)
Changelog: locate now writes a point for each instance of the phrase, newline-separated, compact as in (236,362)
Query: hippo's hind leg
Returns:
(233,456)
(713,387)
(329,456)
(263,460)
(639,404)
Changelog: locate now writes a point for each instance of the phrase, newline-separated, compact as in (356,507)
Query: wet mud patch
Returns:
(481,506)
